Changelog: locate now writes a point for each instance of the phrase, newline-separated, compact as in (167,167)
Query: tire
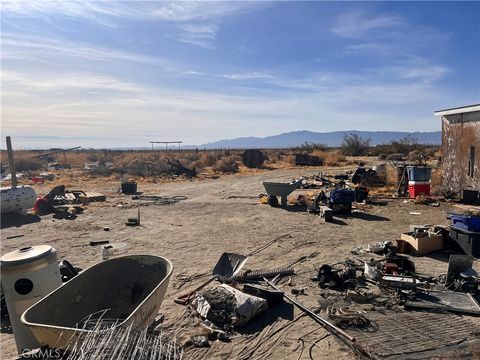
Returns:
(272,200)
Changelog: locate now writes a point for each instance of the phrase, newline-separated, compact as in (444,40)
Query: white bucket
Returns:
(113,250)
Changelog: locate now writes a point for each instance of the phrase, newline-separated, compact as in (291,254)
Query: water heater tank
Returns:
(28,275)
(17,199)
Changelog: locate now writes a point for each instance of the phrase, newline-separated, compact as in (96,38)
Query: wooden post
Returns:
(11,163)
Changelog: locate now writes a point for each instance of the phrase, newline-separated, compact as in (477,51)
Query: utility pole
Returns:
(11,162)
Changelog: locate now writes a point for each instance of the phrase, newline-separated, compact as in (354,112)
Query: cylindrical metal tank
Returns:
(17,199)
(28,275)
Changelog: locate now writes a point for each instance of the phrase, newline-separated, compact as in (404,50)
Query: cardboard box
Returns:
(423,245)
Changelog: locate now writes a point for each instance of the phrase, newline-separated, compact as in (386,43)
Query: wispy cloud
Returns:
(63,83)
(197,22)
(359,24)
(248,76)
(197,34)
(26,47)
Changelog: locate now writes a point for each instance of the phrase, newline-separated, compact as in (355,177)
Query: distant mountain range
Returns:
(331,139)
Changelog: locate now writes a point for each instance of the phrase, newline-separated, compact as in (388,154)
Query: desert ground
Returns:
(225,215)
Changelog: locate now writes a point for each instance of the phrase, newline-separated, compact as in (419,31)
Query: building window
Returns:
(471,162)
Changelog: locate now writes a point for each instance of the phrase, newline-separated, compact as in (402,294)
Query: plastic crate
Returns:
(342,196)
(468,241)
(419,173)
(465,222)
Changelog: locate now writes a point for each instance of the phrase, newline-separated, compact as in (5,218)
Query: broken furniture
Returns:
(227,266)
(28,274)
(275,189)
(127,289)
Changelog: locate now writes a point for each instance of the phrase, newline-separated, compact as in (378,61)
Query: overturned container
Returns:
(125,291)
(17,199)
(28,275)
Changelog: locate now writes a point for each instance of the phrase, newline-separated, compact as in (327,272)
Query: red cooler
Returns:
(416,188)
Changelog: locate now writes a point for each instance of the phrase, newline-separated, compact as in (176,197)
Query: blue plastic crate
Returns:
(342,196)
(419,173)
(465,222)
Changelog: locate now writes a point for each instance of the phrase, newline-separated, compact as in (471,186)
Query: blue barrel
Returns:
(419,173)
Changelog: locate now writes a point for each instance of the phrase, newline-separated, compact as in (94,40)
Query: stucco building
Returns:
(460,148)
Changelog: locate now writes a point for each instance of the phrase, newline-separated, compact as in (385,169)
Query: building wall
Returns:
(459,132)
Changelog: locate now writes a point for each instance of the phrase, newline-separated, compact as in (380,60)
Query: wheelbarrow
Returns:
(227,266)
(127,289)
(275,189)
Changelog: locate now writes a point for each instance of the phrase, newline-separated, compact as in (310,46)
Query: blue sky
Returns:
(108,74)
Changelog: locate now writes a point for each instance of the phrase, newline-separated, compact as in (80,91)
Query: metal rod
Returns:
(55,152)
(314,316)
(11,162)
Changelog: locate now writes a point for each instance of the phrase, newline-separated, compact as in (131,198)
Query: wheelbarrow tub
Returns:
(128,288)
(281,189)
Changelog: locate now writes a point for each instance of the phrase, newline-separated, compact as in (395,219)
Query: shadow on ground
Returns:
(281,310)
(17,220)
(368,217)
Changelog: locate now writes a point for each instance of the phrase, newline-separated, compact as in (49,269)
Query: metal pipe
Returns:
(314,316)
(55,152)
(11,162)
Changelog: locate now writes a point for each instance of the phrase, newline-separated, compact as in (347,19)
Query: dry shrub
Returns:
(73,157)
(93,157)
(329,158)
(209,159)
(226,165)
(290,159)
(436,184)
(28,164)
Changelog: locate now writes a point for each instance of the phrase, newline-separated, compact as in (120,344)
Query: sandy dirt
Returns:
(225,215)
